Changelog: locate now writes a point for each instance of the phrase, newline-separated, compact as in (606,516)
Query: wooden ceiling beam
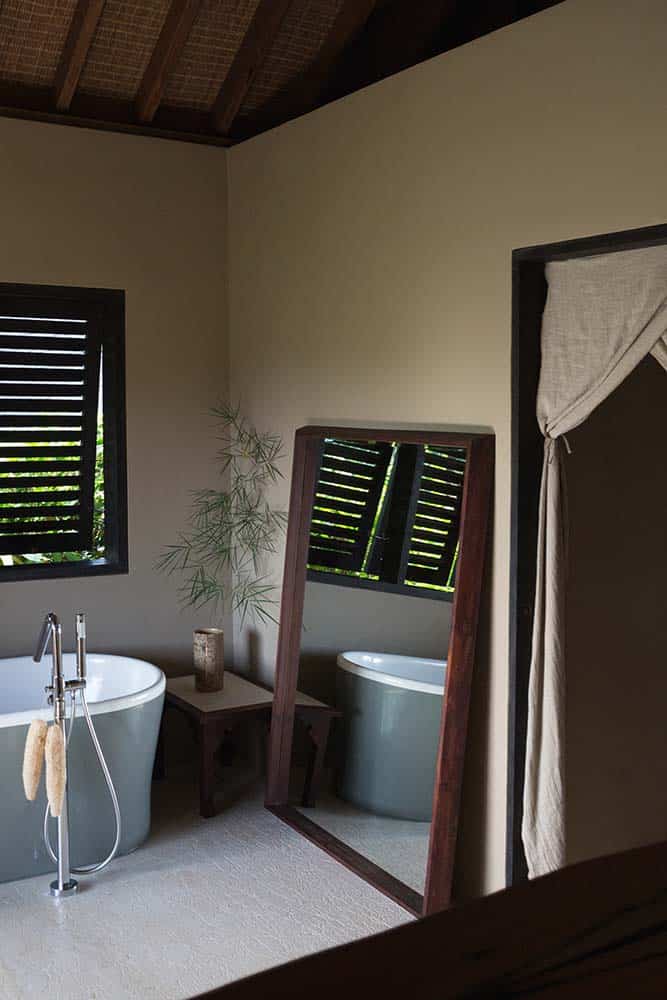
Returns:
(111,114)
(251,54)
(170,44)
(399,34)
(402,33)
(73,57)
(304,93)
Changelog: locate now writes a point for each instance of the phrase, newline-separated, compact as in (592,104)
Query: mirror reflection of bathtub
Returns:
(380,798)
(377,796)
(391,709)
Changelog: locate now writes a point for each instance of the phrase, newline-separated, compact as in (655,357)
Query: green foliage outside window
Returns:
(97,551)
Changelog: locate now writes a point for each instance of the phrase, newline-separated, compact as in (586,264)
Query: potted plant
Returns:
(231,531)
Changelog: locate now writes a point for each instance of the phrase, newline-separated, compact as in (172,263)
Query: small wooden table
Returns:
(211,712)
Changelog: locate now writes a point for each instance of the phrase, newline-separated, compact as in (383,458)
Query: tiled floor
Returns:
(203,902)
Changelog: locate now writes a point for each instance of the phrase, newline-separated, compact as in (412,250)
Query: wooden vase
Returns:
(209,658)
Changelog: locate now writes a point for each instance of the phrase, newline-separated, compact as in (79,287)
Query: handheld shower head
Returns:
(81,646)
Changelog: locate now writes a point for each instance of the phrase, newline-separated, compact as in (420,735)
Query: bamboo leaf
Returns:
(232,530)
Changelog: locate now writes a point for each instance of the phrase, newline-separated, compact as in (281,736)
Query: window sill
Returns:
(341,580)
(63,570)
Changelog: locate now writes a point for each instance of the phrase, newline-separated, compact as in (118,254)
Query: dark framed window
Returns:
(386,516)
(63,481)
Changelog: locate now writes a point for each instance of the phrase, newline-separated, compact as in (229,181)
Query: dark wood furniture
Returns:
(212,714)
(597,929)
(449,770)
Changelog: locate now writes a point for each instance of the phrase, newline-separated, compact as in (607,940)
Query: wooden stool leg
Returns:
(207,747)
(319,735)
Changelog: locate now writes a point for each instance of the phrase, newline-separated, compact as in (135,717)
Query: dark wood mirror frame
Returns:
(460,659)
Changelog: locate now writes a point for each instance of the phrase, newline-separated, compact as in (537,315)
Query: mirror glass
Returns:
(382,559)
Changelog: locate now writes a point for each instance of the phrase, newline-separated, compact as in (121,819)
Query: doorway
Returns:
(529,296)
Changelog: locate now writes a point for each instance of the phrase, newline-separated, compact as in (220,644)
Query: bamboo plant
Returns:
(232,530)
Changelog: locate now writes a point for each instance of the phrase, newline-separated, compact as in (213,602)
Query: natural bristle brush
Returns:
(56,776)
(33,758)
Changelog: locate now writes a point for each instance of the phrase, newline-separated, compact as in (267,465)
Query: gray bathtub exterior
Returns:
(128,738)
(388,748)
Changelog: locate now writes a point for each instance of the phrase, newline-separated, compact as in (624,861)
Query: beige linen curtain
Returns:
(603,315)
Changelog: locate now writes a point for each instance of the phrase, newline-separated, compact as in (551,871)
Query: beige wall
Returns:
(92,208)
(616,630)
(370,264)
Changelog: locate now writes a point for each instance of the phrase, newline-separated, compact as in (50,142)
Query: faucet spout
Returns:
(50,620)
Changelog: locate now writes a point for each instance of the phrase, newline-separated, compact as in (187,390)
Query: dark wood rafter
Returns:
(399,34)
(304,93)
(251,54)
(174,35)
(106,113)
(365,41)
(73,58)
(350,21)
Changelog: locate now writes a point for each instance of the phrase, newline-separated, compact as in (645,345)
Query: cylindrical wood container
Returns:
(209,658)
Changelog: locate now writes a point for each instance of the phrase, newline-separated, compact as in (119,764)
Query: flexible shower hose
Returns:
(88,869)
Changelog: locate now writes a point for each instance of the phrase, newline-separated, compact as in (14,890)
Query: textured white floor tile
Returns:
(202,903)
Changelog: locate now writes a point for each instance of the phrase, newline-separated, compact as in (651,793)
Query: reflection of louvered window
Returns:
(52,351)
(348,492)
(387,514)
(434,517)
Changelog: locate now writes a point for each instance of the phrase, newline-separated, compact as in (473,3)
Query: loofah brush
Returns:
(55,769)
(33,757)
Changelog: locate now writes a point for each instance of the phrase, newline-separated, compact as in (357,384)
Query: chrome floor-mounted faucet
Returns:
(57,690)
(64,885)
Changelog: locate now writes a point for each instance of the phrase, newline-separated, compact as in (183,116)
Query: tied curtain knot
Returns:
(550,446)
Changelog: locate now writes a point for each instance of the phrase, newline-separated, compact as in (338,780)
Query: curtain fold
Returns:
(603,315)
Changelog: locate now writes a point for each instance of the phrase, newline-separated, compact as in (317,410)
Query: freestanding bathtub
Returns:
(391,725)
(125,697)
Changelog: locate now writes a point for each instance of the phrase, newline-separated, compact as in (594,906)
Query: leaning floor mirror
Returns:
(383,573)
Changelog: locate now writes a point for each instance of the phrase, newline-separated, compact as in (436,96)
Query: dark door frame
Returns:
(528,297)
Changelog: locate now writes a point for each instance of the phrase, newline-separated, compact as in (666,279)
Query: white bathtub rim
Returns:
(118,704)
(377,675)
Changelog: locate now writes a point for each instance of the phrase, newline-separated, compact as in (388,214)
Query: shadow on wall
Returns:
(252,663)
(616,636)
